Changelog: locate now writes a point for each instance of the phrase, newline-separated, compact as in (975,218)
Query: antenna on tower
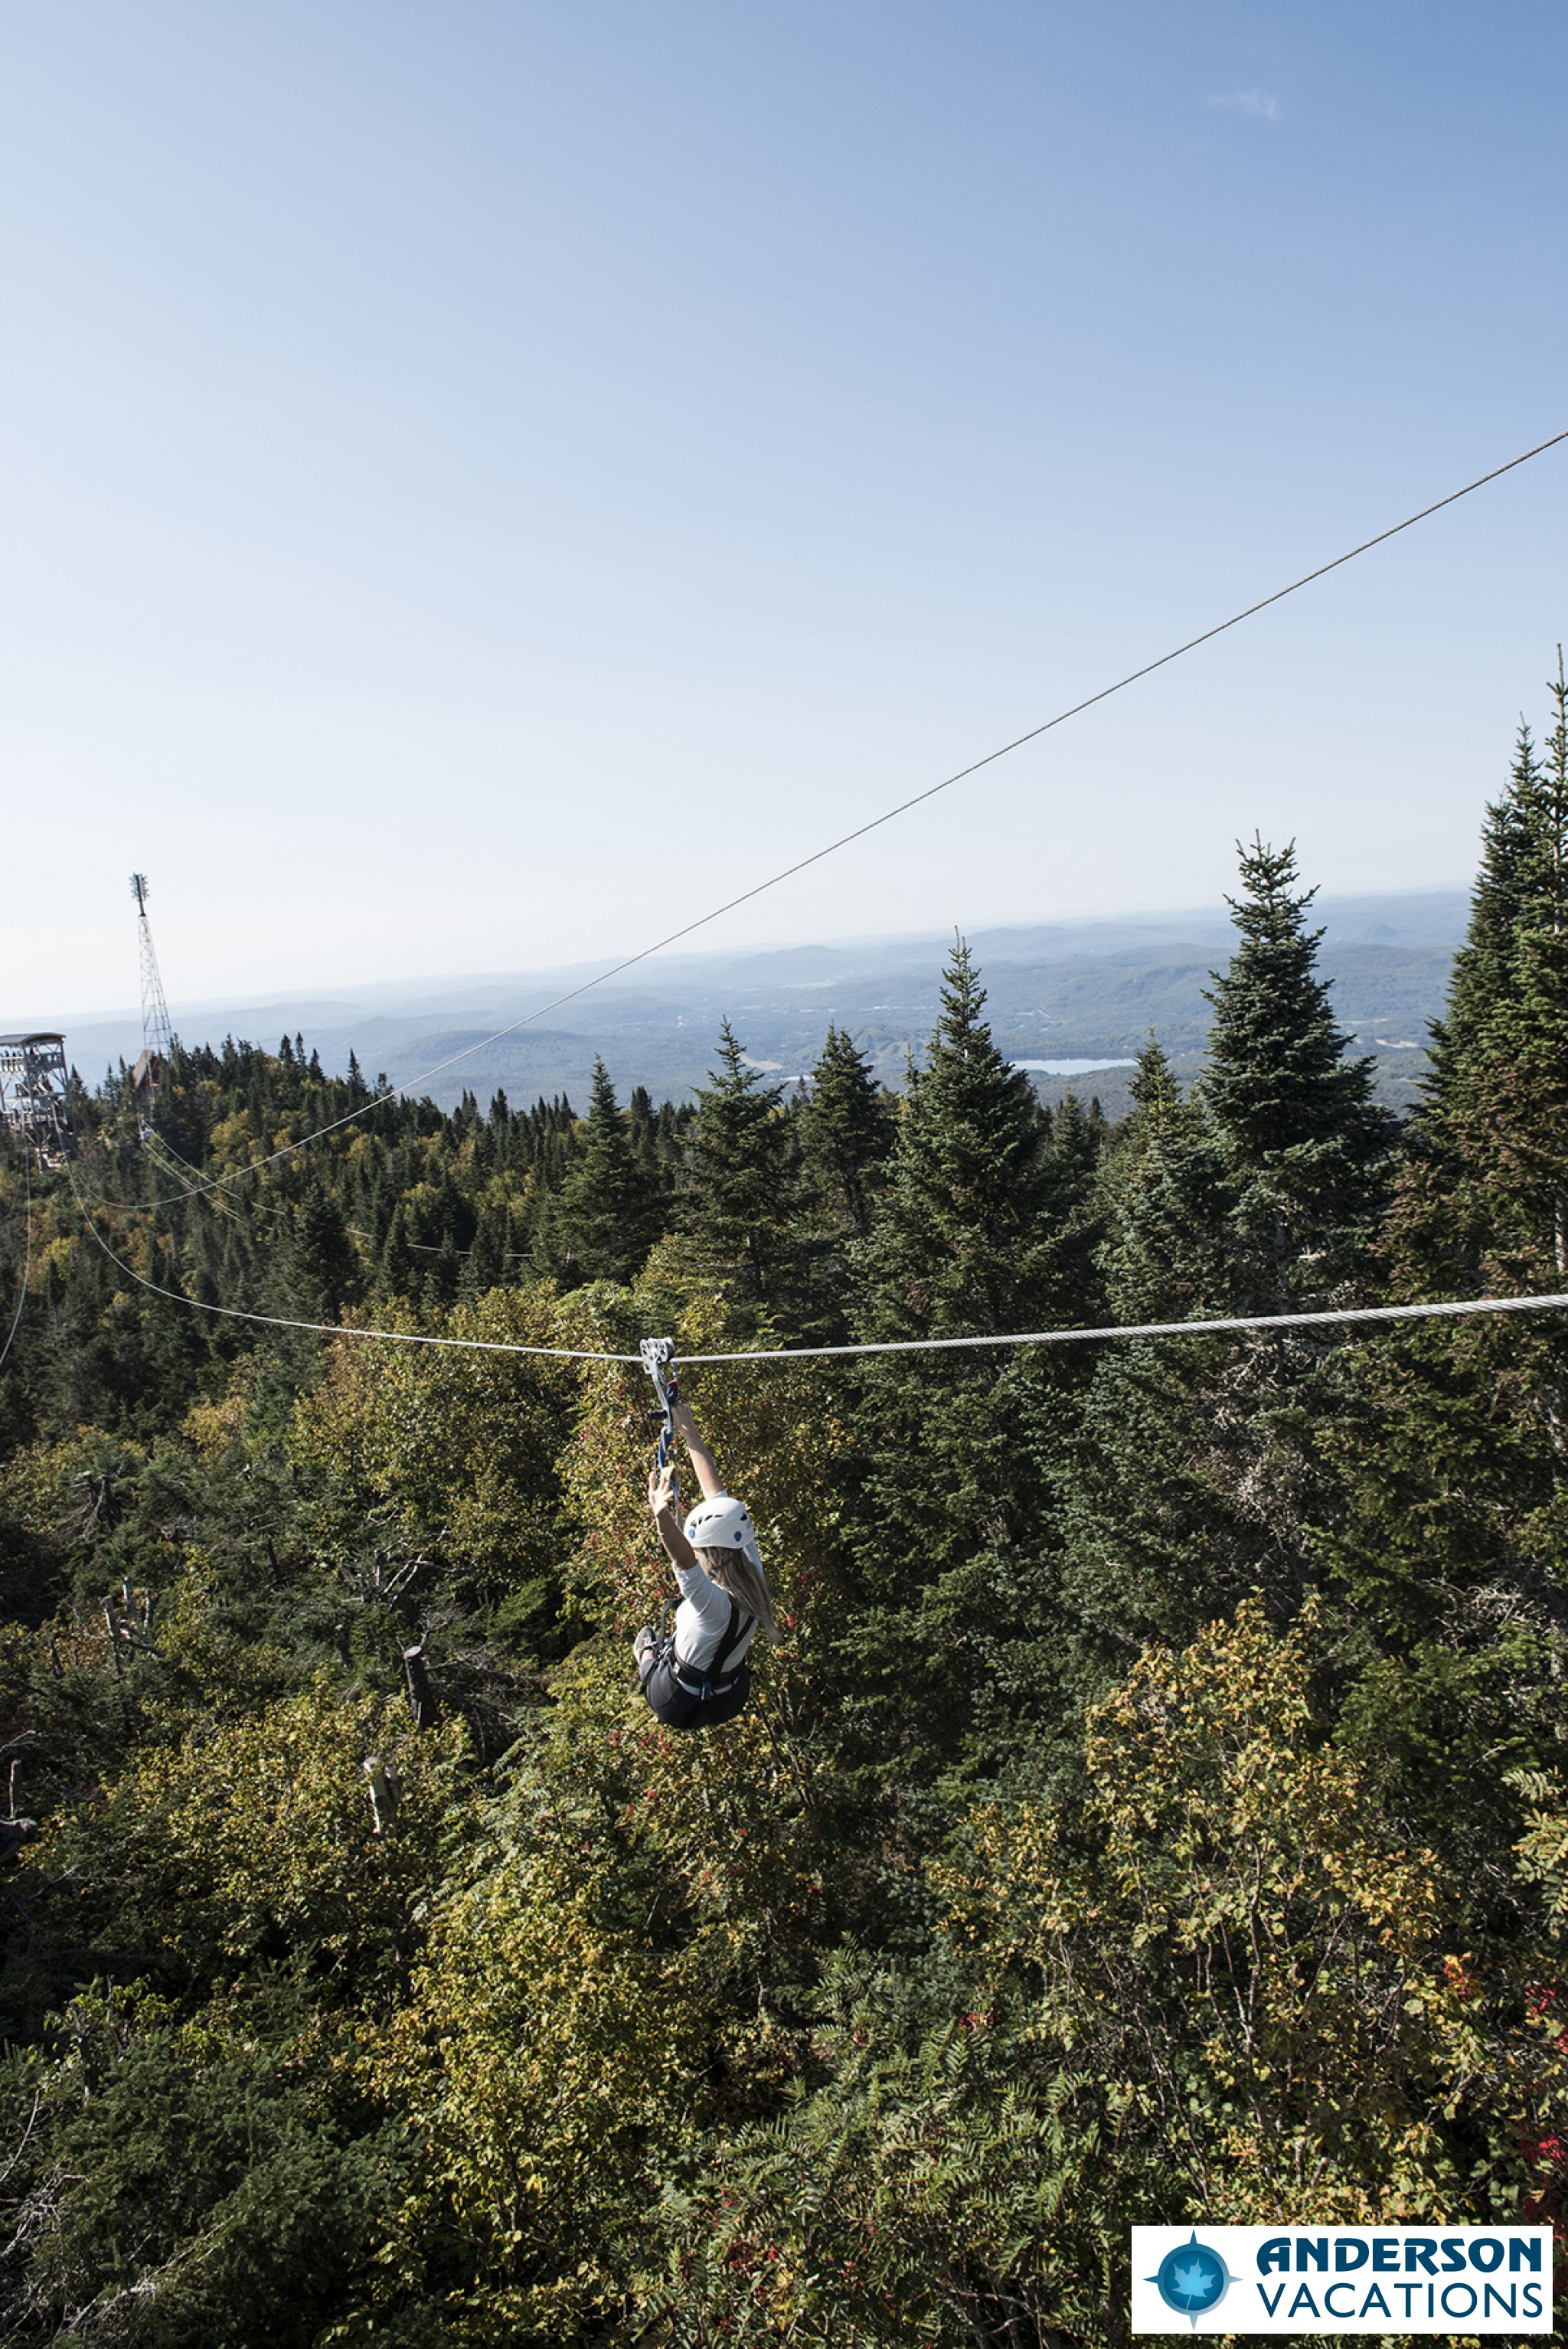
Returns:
(157,1034)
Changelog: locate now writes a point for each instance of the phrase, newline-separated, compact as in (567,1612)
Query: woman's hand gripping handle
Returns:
(662,1507)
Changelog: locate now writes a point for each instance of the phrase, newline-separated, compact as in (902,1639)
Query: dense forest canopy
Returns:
(1155,1810)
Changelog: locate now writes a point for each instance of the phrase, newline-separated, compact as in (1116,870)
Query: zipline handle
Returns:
(659,1361)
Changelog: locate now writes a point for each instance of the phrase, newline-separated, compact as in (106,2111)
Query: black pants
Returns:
(680,1708)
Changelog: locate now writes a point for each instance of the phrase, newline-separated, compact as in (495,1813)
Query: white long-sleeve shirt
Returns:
(702,1619)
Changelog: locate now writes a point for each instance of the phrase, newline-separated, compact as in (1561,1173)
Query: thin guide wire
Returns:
(875,823)
(334,1328)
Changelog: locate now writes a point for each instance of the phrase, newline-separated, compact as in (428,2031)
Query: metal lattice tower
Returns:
(35,1094)
(157,1035)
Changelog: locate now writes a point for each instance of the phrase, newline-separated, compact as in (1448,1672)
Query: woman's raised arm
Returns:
(704,1465)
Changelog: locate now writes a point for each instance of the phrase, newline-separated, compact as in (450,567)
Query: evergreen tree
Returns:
(959,1248)
(395,1275)
(950,1550)
(743,1185)
(1165,1250)
(444,1268)
(1199,1474)
(643,1125)
(845,1133)
(488,1263)
(1074,1215)
(605,1216)
(1308,1153)
(1481,978)
(1484,1201)
(1452,1566)
(323,1266)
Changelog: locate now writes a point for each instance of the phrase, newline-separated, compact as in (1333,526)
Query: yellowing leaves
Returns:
(255,1840)
(1231,1940)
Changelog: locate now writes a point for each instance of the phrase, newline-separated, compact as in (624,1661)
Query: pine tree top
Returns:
(1277,1076)
(960,1245)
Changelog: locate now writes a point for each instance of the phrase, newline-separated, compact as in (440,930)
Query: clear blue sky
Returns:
(483,480)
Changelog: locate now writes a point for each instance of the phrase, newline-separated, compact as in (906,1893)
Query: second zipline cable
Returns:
(1458,1309)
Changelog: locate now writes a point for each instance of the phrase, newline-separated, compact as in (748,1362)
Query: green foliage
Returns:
(608,1214)
(1218,1991)
(1307,1153)
(324,1272)
(1268,1986)
(741,1191)
(1450,1564)
(182,2180)
(1200,1475)
(845,1133)
(961,1247)
(943,1660)
(1155,1806)
(254,1846)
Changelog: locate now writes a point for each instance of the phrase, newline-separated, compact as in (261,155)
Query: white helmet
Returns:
(723,1523)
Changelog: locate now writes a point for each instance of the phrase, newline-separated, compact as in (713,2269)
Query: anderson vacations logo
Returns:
(1470,2279)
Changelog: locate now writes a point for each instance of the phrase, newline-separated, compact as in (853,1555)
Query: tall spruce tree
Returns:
(489,1259)
(605,1216)
(1451,1566)
(960,1248)
(1200,1475)
(1166,1202)
(845,1133)
(1484,1203)
(742,1187)
(945,1647)
(396,1274)
(323,1266)
(1479,977)
(1308,1152)
(643,1125)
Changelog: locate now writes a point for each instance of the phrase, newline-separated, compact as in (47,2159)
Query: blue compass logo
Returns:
(1192,2279)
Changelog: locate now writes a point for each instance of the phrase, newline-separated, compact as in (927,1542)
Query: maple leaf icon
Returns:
(1194,2282)
(1192,2278)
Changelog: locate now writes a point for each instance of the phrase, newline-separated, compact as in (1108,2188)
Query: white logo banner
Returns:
(1414,2279)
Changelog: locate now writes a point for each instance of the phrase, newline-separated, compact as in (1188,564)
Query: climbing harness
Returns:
(682,1696)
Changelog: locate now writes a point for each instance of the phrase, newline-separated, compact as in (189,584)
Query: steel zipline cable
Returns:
(889,814)
(758,1357)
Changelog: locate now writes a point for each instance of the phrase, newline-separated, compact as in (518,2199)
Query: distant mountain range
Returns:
(1085,994)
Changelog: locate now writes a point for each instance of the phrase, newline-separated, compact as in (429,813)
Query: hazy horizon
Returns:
(677,962)
(1063,998)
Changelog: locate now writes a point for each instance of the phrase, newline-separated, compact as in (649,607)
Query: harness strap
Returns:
(711,1684)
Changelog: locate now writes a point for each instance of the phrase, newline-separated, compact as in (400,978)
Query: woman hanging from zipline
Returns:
(697,1673)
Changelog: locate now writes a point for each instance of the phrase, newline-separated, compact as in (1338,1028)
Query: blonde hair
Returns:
(742,1577)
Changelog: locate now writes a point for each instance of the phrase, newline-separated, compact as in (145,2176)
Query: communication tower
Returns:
(157,1035)
(35,1094)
